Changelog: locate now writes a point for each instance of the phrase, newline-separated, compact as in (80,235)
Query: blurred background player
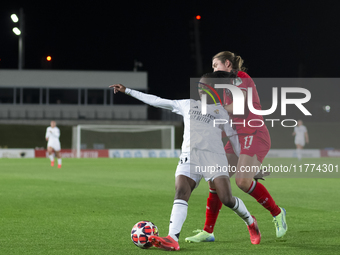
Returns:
(301,137)
(53,143)
(202,146)
(255,144)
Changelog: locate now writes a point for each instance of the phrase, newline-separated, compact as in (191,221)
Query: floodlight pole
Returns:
(199,65)
(21,40)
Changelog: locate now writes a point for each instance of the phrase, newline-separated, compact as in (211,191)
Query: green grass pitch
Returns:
(90,205)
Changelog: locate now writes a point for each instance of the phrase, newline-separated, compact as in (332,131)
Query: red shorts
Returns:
(252,144)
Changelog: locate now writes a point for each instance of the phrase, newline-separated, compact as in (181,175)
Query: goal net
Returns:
(122,137)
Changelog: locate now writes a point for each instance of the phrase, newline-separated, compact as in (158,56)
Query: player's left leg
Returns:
(58,155)
(214,204)
(184,186)
(244,180)
(50,155)
(299,148)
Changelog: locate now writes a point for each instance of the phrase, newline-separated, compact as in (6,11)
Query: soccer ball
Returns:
(141,232)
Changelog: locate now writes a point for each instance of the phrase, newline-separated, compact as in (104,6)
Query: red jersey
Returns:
(241,121)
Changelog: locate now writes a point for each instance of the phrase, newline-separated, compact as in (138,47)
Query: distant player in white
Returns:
(202,147)
(53,143)
(301,138)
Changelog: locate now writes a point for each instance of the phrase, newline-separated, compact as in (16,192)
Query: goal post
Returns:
(122,137)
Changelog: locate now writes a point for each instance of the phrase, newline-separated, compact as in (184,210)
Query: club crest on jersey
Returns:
(237,81)
(217,111)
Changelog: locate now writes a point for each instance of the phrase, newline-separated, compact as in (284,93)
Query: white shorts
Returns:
(54,144)
(300,141)
(202,164)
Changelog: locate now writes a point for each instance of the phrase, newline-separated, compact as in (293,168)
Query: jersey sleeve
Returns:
(175,106)
(233,138)
(47,135)
(246,81)
(232,134)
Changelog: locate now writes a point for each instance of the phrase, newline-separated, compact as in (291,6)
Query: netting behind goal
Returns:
(122,137)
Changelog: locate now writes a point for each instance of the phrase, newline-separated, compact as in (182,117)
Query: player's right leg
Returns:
(224,192)
(185,184)
(244,180)
(50,154)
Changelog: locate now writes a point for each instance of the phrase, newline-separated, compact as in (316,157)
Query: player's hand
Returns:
(261,174)
(47,139)
(118,88)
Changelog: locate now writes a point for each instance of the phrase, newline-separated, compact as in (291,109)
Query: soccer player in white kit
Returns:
(202,147)
(53,143)
(301,137)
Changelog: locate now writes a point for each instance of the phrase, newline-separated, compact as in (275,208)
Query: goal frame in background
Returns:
(121,128)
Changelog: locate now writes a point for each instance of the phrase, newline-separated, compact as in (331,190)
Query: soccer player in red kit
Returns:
(255,144)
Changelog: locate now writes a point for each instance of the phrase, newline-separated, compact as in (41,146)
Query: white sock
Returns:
(241,210)
(298,153)
(177,218)
(59,161)
(51,157)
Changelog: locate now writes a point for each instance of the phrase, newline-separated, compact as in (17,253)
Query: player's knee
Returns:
(243,183)
(227,201)
(182,193)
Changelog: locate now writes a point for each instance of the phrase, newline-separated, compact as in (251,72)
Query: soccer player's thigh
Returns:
(49,149)
(232,161)
(252,154)
(186,179)
(214,159)
(232,158)
(300,143)
(220,178)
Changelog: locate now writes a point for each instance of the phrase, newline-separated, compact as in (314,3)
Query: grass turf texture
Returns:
(90,205)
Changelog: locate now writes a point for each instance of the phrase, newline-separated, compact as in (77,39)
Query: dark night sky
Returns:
(272,38)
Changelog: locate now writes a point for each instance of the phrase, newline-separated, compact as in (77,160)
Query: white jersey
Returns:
(300,132)
(199,131)
(53,135)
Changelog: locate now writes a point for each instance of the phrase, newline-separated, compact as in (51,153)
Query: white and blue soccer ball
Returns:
(141,232)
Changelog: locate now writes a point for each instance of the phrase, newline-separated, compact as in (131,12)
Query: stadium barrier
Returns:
(138,153)
(68,153)
(17,153)
(291,153)
(149,153)
(330,153)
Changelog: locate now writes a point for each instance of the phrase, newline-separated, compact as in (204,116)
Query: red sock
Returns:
(261,194)
(214,206)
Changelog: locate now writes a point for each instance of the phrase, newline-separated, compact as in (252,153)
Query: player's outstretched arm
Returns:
(148,99)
